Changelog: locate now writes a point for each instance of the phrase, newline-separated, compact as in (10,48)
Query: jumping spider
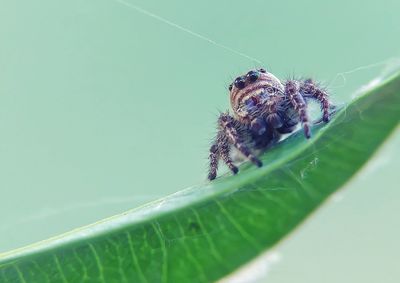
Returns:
(264,108)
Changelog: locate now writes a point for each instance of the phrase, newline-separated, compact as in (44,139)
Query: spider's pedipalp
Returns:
(272,108)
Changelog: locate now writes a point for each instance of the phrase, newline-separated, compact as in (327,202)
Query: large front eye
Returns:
(253,76)
(240,83)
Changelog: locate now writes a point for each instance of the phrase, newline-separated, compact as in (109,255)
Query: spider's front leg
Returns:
(310,89)
(228,135)
(214,158)
(292,93)
(220,149)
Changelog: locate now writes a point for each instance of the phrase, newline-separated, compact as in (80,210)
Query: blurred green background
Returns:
(103,108)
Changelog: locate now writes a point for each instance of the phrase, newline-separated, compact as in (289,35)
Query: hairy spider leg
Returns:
(227,135)
(225,155)
(310,89)
(292,92)
(214,158)
(229,129)
(220,149)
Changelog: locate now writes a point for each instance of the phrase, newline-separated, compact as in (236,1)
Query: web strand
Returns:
(366,67)
(179,27)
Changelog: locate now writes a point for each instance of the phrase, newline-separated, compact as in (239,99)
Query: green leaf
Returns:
(205,232)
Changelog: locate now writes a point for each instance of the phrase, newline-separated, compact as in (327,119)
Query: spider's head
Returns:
(248,93)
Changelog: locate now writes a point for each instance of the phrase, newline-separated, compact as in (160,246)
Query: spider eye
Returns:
(253,76)
(240,83)
(230,87)
(262,70)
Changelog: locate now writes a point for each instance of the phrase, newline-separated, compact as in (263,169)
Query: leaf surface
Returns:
(205,232)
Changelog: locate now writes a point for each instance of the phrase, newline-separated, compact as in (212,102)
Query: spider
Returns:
(264,108)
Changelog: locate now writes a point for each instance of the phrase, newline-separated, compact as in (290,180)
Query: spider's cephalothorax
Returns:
(264,109)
